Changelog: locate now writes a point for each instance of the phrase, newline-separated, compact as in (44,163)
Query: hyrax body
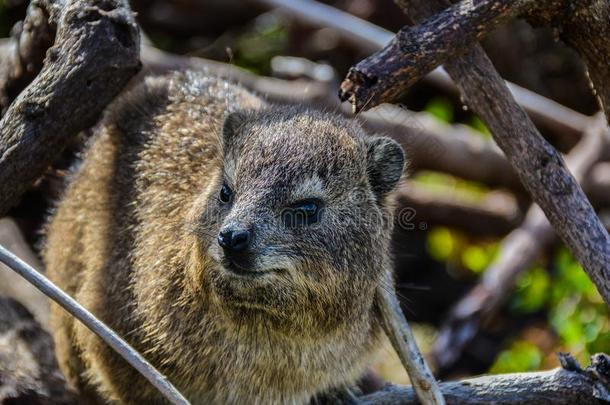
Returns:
(237,245)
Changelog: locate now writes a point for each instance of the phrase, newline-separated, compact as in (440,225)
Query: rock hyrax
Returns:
(236,244)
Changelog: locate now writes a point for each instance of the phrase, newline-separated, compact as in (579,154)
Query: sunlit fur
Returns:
(134,239)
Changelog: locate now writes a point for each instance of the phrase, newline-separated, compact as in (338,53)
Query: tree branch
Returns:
(415,51)
(566,385)
(400,334)
(495,217)
(107,335)
(96,52)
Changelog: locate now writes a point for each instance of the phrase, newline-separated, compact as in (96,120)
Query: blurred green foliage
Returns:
(458,251)
(575,311)
(559,291)
(520,356)
(267,37)
(443,109)
(455,186)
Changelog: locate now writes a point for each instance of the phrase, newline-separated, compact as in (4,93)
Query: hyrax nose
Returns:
(234,240)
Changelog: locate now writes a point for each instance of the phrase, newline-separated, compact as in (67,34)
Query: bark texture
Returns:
(416,50)
(95,53)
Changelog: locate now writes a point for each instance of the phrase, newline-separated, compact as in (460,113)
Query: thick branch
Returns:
(415,51)
(96,52)
(566,385)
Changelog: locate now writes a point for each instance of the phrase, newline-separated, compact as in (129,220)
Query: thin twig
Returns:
(95,325)
(400,334)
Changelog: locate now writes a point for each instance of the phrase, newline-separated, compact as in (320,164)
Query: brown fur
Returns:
(134,240)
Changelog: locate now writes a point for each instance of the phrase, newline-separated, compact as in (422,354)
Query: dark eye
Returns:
(302,213)
(226,194)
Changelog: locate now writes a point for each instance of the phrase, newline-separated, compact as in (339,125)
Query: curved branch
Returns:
(415,51)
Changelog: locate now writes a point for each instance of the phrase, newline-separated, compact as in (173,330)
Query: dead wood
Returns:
(95,53)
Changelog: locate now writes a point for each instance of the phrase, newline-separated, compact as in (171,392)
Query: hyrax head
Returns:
(297,223)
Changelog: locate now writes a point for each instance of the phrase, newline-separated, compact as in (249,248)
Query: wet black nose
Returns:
(234,240)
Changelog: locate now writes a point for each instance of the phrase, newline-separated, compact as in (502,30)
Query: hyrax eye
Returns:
(302,213)
(226,194)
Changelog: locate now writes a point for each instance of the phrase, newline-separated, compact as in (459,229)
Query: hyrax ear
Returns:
(385,164)
(231,127)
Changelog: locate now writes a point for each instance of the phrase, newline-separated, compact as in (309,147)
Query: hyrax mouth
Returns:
(235,268)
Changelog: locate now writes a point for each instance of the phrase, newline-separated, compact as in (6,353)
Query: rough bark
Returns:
(566,385)
(540,167)
(367,36)
(416,50)
(95,53)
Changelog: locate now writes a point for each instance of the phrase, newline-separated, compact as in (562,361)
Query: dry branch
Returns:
(566,385)
(96,51)
(517,252)
(400,334)
(416,50)
(495,216)
(539,166)
(278,89)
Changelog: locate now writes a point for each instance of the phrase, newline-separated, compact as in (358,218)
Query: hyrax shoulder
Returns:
(237,245)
